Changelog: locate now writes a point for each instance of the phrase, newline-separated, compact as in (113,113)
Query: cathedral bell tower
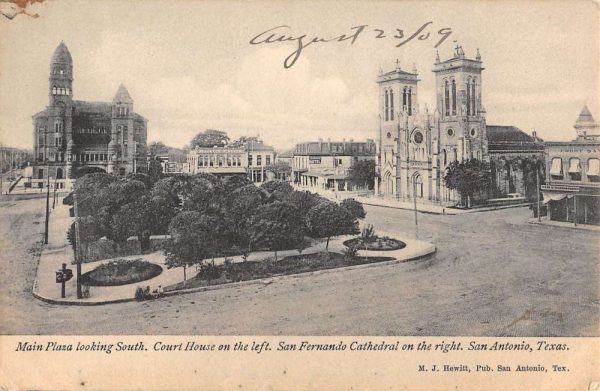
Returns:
(462,127)
(397,107)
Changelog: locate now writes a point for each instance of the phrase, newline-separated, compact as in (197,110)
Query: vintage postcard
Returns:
(318,195)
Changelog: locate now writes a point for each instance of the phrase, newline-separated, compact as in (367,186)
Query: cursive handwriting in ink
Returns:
(293,57)
(275,35)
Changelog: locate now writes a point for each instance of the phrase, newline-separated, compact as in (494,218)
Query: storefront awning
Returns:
(593,167)
(556,168)
(574,166)
(554,196)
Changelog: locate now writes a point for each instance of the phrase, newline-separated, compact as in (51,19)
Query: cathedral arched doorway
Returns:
(417,180)
(387,180)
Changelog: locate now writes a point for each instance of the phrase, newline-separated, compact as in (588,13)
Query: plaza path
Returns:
(493,275)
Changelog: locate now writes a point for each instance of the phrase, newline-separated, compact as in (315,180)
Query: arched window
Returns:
(386,108)
(575,169)
(446,98)
(59,173)
(391,105)
(469,97)
(593,170)
(409,101)
(445,157)
(453,97)
(556,169)
(404,102)
(455,155)
(473,100)
(53,90)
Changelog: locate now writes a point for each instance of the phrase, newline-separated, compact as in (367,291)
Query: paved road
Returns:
(493,275)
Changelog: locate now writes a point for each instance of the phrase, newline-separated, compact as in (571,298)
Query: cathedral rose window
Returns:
(473,132)
(418,137)
(450,132)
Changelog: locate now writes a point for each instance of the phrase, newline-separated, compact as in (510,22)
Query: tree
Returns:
(278,189)
(355,208)
(281,170)
(245,141)
(81,171)
(328,219)
(303,200)
(362,174)
(468,178)
(241,206)
(157,148)
(209,138)
(277,226)
(191,240)
(155,170)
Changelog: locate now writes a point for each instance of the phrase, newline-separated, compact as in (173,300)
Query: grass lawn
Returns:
(253,270)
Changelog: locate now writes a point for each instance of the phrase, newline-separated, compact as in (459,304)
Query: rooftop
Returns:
(62,54)
(511,138)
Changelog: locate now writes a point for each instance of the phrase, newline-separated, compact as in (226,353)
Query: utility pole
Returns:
(537,184)
(77,246)
(415,206)
(54,195)
(47,210)
(1,169)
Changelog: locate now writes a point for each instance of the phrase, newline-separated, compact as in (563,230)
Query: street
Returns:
(493,275)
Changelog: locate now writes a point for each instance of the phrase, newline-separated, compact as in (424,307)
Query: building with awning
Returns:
(572,189)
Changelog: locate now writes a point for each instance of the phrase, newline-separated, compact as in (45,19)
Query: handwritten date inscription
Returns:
(279,34)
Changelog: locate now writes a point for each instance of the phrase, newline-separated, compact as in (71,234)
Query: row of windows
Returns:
(259,160)
(58,71)
(218,161)
(389,103)
(122,111)
(56,140)
(450,97)
(575,170)
(60,91)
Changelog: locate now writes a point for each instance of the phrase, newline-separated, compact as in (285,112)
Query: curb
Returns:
(579,227)
(429,251)
(452,211)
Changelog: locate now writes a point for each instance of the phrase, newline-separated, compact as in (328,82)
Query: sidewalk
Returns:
(563,224)
(59,251)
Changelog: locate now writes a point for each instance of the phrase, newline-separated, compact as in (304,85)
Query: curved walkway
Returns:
(58,251)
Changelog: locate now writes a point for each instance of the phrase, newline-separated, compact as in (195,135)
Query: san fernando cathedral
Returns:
(416,146)
(70,134)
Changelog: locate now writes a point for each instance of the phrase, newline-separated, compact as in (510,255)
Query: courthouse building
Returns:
(572,189)
(416,146)
(70,134)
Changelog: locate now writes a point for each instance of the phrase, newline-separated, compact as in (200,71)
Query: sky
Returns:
(189,65)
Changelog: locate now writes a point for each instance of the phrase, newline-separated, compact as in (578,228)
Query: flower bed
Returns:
(253,270)
(376,244)
(121,272)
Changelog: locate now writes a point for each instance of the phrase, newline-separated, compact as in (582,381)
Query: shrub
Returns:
(367,234)
(121,272)
(351,251)
(68,200)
